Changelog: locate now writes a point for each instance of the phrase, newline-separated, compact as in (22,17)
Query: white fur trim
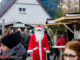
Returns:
(35,48)
(44,48)
(30,51)
(47,51)
(40,51)
(38,28)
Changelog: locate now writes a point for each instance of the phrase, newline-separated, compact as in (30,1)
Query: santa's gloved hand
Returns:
(29,54)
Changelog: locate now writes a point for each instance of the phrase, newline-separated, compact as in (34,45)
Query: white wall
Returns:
(34,14)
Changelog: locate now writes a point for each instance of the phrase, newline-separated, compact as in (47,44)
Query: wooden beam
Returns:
(66,18)
(61,23)
(68,28)
(72,17)
(59,19)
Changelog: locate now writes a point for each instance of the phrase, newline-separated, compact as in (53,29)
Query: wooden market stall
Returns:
(70,22)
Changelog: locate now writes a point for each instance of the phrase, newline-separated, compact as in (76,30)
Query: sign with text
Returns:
(19,25)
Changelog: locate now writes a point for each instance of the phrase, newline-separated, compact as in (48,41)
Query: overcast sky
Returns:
(0,0)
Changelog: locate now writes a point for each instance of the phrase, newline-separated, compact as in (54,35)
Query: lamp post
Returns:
(3,26)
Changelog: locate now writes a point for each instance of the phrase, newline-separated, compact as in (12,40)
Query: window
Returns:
(22,9)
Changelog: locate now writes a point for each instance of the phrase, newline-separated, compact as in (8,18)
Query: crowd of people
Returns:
(19,44)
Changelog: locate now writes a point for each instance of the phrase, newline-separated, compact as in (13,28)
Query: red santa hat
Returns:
(39,27)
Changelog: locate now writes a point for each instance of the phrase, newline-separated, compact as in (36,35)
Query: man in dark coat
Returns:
(50,43)
(12,47)
(26,39)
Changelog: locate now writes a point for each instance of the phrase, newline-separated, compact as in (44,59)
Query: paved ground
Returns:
(30,58)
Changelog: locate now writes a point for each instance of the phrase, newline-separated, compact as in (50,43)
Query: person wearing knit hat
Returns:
(11,46)
(38,44)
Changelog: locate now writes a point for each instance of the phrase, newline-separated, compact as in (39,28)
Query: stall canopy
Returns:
(67,19)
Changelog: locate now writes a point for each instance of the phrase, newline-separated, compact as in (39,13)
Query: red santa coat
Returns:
(39,49)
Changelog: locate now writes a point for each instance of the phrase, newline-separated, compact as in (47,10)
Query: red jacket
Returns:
(39,49)
(61,42)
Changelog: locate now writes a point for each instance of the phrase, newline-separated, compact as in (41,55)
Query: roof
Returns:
(5,5)
(9,3)
(68,19)
(65,20)
(73,14)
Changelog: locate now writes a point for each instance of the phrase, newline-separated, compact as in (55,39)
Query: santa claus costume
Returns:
(38,44)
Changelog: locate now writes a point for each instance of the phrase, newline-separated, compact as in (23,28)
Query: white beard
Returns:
(39,35)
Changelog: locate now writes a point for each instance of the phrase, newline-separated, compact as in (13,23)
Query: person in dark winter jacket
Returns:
(12,47)
(61,42)
(26,39)
(50,43)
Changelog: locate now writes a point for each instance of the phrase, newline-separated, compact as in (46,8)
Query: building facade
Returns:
(25,11)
